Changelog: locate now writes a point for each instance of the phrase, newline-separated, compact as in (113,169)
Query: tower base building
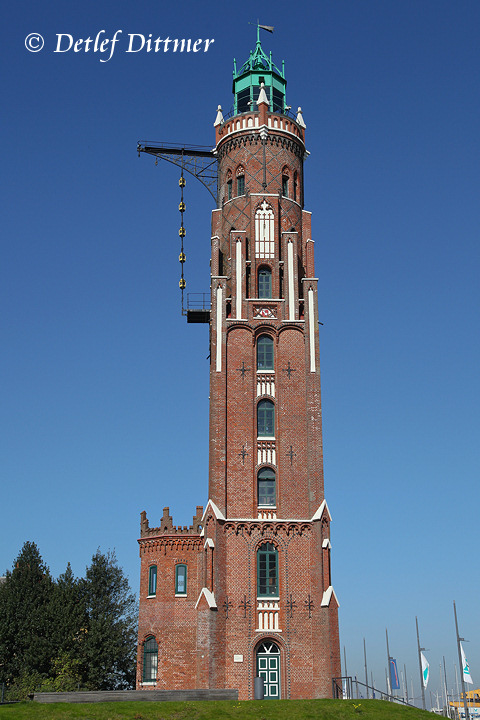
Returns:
(246,590)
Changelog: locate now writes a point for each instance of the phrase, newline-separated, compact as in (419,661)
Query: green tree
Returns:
(70,614)
(109,645)
(26,627)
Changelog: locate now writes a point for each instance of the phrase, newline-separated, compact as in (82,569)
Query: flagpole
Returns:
(465,705)
(345,671)
(389,674)
(456,683)
(366,671)
(446,690)
(420,664)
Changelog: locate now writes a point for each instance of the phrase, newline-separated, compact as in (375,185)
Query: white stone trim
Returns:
(262,97)
(265,383)
(218,514)
(256,129)
(268,615)
(218,366)
(321,510)
(291,298)
(219,119)
(209,597)
(327,597)
(238,269)
(327,544)
(209,543)
(311,330)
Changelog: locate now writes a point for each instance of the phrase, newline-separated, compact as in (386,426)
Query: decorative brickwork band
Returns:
(266,384)
(267,615)
(266,452)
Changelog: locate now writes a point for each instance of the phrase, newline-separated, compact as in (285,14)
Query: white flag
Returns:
(466,670)
(425,670)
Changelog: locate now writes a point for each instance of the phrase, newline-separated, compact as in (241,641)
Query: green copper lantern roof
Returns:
(258,69)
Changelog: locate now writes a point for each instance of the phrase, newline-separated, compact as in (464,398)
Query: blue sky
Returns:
(104,409)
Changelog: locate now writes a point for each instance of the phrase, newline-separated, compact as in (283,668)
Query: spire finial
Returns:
(268,28)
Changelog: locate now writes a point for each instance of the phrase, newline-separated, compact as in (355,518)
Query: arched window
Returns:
(285,181)
(295,185)
(267,570)
(264,283)
(266,487)
(229,189)
(181,580)
(264,353)
(152,580)
(265,419)
(150,659)
(240,176)
(264,231)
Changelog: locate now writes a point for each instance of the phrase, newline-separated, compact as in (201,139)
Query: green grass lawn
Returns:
(220,710)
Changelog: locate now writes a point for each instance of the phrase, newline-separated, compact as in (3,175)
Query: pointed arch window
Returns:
(150,659)
(265,353)
(267,570)
(265,419)
(152,580)
(266,487)
(229,189)
(264,283)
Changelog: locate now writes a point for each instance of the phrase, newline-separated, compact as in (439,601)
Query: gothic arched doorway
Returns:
(268,667)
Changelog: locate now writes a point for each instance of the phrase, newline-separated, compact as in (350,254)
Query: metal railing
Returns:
(231,113)
(198,301)
(349,688)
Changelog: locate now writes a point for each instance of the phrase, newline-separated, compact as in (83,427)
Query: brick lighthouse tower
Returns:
(246,590)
